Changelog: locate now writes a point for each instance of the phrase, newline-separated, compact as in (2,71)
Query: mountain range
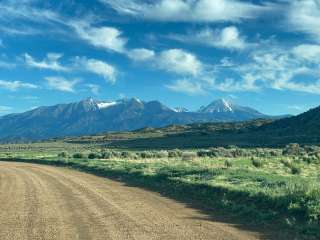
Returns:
(90,116)
(303,129)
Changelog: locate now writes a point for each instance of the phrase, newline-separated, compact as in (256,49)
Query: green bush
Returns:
(106,155)
(204,153)
(146,154)
(295,169)
(175,153)
(93,155)
(125,154)
(78,155)
(63,155)
(258,163)
(228,163)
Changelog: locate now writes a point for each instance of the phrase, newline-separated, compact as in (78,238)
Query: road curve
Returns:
(43,202)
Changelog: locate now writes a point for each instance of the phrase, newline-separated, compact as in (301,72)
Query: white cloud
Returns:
(187,86)
(107,71)
(103,37)
(176,61)
(141,54)
(95,89)
(228,38)
(179,61)
(304,16)
(23,12)
(5,110)
(51,62)
(61,84)
(281,69)
(189,10)
(295,69)
(308,51)
(15,85)
(15,16)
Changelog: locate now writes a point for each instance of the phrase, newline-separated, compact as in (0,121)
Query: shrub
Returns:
(161,154)
(228,163)
(204,153)
(311,159)
(295,169)
(274,153)
(93,155)
(175,153)
(63,155)
(147,154)
(286,163)
(292,149)
(187,156)
(125,154)
(78,155)
(258,163)
(116,154)
(106,155)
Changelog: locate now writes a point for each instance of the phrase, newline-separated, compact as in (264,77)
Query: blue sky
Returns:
(263,54)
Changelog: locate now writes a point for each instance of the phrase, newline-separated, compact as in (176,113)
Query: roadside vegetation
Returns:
(263,186)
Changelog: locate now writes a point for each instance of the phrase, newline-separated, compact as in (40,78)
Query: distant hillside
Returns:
(303,129)
(91,117)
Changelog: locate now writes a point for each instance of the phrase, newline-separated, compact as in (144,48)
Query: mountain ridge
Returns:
(91,116)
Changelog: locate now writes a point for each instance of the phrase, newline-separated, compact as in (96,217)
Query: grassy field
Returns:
(257,185)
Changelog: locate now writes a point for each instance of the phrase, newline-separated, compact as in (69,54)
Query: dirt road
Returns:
(42,202)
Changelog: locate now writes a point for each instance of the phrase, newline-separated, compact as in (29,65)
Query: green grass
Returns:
(253,185)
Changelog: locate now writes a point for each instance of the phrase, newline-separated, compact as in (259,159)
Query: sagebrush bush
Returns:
(161,154)
(258,163)
(187,156)
(286,162)
(292,149)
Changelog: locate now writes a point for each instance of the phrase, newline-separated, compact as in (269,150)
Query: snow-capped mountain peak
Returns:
(180,109)
(227,105)
(218,106)
(103,105)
